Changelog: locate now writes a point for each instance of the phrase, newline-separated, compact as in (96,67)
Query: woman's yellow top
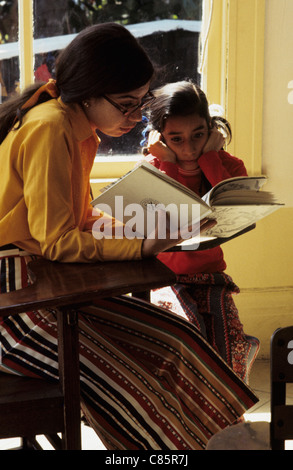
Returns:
(45,190)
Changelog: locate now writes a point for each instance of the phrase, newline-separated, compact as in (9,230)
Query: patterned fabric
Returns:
(149,381)
(206,300)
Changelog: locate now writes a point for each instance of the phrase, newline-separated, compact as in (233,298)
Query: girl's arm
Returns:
(161,156)
(216,164)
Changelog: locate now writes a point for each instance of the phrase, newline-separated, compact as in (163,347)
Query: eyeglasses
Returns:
(146,101)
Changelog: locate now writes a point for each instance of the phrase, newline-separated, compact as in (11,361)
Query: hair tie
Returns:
(145,131)
(50,87)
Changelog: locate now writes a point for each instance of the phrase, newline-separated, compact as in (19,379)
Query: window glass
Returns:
(167,29)
(9,61)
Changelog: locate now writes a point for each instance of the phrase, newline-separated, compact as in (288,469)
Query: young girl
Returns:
(148,380)
(187,144)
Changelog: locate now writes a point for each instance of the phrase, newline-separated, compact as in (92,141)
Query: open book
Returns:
(236,203)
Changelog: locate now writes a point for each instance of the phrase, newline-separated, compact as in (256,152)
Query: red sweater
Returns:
(214,167)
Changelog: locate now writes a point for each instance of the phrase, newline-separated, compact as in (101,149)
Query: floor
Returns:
(259,382)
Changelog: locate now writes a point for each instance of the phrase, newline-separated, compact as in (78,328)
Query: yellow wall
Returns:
(247,70)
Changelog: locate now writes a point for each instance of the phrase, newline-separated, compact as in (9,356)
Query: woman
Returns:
(148,381)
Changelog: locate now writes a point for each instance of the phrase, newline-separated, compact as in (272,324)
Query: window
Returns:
(168,29)
(9,63)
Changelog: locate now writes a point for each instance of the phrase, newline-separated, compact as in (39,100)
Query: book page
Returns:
(232,219)
(243,197)
(239,183)
(152,169)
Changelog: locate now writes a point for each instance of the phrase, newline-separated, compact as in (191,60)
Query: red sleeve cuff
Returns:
(170,168)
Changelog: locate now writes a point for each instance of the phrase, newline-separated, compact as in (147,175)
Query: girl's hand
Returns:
(216,141)
(159,149)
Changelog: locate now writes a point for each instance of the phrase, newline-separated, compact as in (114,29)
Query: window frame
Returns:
(234,53)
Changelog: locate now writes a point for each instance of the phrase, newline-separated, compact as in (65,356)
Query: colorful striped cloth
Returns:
(206,300)
(149,381)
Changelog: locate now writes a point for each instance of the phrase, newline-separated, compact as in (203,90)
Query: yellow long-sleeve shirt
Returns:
(44,191)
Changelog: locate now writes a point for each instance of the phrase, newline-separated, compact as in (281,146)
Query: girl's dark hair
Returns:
(102,59)
(182,99)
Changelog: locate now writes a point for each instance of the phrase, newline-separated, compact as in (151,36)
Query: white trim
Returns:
(103,180)
(204,36)
(104,158)
(143,29)
(13,252)
(55,43)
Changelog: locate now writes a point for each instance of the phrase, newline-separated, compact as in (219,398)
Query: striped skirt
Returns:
(149,381)
(206,300)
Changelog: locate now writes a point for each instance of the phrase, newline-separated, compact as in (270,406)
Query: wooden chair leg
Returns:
(55,441)
(68,350)
(30,443)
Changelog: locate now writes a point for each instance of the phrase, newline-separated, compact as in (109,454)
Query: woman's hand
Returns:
(159,149)
(154,245)
(216,141)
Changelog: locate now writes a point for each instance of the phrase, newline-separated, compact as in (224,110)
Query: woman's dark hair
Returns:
(102,59)
(182,99)
(10,110)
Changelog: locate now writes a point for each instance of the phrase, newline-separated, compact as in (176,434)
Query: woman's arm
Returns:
(52,208)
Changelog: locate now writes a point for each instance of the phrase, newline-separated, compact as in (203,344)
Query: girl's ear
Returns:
(212,124)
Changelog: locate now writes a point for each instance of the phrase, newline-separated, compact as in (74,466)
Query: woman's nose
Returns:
(136,116)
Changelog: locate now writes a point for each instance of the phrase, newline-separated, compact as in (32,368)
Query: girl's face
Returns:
(186,136)
(109,119)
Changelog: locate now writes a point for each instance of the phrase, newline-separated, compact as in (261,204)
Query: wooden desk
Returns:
(68,287)
(61,284)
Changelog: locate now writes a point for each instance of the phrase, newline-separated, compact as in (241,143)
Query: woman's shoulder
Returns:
(49,120)
(50,111)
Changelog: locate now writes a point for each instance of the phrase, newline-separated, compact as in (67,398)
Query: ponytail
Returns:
(13,110)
